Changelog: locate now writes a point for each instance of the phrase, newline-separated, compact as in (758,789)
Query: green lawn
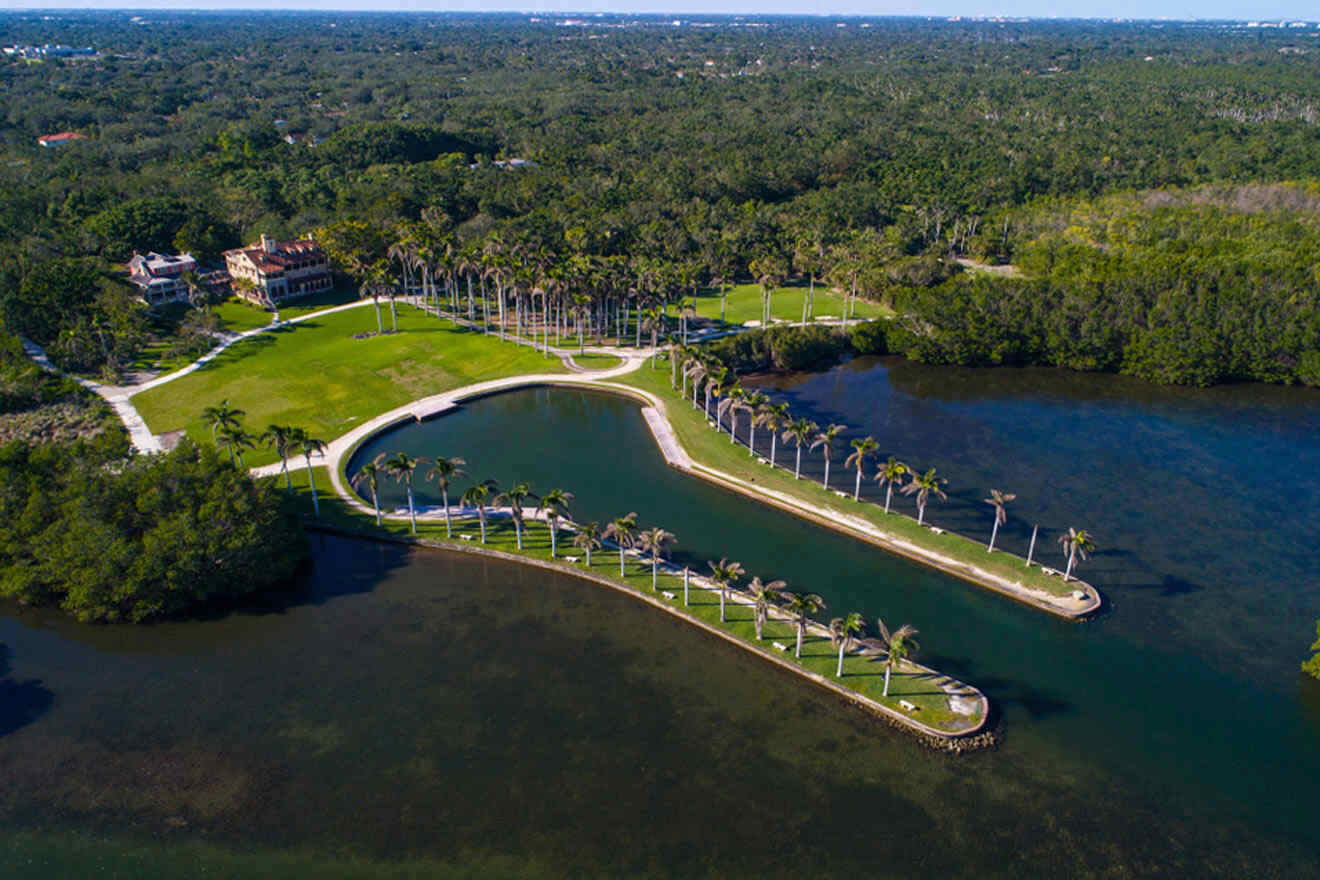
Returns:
(317,376)
(237,315)
(714,450)
(597,361)
(863,674)
(744,304)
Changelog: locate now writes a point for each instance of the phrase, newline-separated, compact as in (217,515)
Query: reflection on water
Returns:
(466,716)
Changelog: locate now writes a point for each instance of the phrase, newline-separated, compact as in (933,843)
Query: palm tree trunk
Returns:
(380,326)
(620,560)
(481,515)
(375,502)
(394,315)
(797,469)
(888,664)
(1032,548)
(751,438)
(889,493)
(517,529)
(554,540)
(311,478)
(857,488)
(802,625)
(412,515)
(826,482)
(721,603)
(1072,557)
(655,570)
(838,673)
(774,441)
(760,624)
(993,533)
(921,514)
(444,496)
(686,574)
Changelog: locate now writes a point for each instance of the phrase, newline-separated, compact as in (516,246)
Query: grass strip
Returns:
(863,675)
(714,450)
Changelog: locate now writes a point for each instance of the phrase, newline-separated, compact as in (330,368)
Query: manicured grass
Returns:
(237,316)
(862,674)
(715,451)
(744,304)
(315,375)
(597,361)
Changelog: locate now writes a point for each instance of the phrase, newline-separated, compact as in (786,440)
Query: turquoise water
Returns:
(420,714)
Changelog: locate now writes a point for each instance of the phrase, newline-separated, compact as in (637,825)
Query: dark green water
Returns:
(424,715)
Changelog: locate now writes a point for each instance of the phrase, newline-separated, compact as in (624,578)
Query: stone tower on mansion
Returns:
(278,270)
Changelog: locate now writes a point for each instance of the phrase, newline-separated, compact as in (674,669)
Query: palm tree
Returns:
(862,450)
(281,438)
(775,417)
(222,415)
(554,504)
(800,431)
(898,646)
(478,497)
(763,596)
(369,473)
(653,541)
(888,476)
(842,630)
(1078,542)
(724,573)
(800,605)
(516,497)
(444,471)
(754,404)
(235,439)
(402,466)
(307,445)
(923,486)
(998,500)
(588,539)
(825,440)
(623,532)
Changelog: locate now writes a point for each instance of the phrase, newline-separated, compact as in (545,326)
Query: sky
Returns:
(1264,10)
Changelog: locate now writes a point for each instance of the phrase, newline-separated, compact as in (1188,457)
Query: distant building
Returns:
(59,140)
(158,276)
(50,51)
(278,270)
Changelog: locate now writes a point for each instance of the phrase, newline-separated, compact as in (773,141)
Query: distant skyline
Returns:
(1268,10)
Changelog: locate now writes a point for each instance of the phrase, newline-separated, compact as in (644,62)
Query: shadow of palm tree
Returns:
(21,702)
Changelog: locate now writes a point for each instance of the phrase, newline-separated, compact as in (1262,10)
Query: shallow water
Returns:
(445,715)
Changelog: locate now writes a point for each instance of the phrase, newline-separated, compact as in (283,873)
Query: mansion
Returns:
(270,270)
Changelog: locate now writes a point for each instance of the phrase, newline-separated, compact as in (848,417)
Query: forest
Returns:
(1150,184)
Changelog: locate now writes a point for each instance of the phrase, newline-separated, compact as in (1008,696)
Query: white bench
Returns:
(572,559)
(936,530)
(779,646)
(911,707)
(1079,595)
(668,595)
(466,537)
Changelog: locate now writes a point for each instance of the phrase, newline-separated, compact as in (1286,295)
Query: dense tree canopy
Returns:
(145,538)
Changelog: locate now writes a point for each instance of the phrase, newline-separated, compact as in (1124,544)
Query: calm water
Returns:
(439,715)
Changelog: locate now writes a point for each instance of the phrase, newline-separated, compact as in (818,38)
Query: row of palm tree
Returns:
(704,371)
(845,632)
(626,534)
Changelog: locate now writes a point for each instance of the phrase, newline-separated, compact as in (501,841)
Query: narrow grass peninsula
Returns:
(945,714)
(716,459)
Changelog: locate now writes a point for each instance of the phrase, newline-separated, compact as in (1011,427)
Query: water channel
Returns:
(474,716)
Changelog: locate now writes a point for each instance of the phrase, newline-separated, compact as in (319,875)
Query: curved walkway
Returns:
(654,412)
(118,395)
